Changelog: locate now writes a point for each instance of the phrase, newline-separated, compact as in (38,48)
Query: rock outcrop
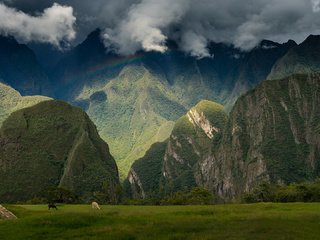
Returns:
(5,214)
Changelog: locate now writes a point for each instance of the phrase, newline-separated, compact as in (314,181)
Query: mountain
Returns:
(47,55)
(194,136)
(20,69)
(173,165)
(132,112)
(272,134)
(256,66)
(301,59)
(53,144)
(134,99)
(11,100)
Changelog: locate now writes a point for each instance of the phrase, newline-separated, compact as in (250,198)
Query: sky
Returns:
(132,25)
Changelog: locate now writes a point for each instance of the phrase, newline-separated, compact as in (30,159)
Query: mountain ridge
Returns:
(272,135)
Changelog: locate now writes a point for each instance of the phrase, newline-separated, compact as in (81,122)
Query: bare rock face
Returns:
(5,214)
(272,135)
(135,182)
(199,120)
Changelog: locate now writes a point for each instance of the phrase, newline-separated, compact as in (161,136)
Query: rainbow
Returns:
(110,65)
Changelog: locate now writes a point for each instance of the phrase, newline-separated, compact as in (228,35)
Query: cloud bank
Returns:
(149,23)
(55,25)
(132,25)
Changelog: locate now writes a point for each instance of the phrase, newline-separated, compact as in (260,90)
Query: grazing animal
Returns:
(52,205)
(95,205)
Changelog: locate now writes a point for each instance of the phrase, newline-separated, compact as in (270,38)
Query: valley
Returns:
(171,122)
(160,119)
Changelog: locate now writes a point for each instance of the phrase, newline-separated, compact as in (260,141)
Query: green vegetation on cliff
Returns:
(132,112)
(144,176)
(53,144)
(272,135)
(172,166)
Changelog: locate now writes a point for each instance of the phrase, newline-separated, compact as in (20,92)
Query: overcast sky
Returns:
(131,25)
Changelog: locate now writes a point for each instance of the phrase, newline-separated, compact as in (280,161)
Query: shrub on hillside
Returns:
(302,192)
(197,196)
(61,195)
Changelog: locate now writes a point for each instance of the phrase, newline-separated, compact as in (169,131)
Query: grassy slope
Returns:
(256,221)
(11,100)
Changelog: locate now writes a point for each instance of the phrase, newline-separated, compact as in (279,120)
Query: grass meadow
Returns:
(254,221)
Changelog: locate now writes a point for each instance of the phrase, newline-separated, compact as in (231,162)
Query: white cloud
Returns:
(54,25)
(194,44)
(132,25)
(315,5)
(144,25)
(193,24)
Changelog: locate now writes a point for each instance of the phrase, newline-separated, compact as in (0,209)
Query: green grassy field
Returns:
(256,221)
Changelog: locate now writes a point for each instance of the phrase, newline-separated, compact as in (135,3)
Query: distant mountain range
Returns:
(141,107)
(272,135)
(149,91)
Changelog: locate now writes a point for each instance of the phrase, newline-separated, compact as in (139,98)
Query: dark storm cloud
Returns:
(130,25)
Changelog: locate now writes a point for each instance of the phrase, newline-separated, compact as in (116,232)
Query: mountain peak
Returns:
(291,43)
(312,39)
(268,44)
(301,59)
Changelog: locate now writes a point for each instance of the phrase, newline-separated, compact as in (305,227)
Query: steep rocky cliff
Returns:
(194,136)
(53,144)
(174,165)
(273,135)
(145,175)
